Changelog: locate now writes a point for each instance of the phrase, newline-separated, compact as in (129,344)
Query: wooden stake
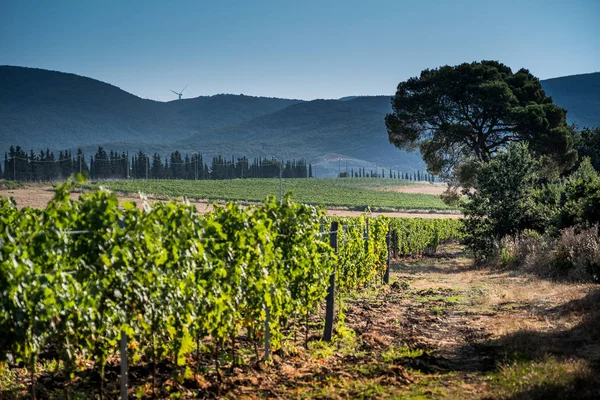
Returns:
(386,276)
(123,365)
(329,310)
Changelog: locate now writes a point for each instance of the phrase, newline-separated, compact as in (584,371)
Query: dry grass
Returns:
(508,316)
(423,188)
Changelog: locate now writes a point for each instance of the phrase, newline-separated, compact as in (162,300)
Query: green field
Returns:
(355,193)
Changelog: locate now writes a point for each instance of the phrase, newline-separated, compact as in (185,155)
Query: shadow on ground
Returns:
(552,364)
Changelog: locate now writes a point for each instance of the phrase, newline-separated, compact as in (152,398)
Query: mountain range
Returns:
(42,109)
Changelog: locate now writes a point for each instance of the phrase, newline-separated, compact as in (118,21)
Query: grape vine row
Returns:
(78,273)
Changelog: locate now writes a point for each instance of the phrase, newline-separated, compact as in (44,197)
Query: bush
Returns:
(516,251)
(576,254)
(573,255)
(507,200)
(580,200)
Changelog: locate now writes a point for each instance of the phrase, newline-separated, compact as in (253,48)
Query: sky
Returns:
(301,49)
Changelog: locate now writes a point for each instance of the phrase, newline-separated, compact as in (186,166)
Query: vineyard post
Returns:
(123,365)
(388,239)
(267,334)
(327,335)
(321,230)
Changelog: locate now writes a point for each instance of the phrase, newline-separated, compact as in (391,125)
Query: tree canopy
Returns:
(587,143)
(468,112)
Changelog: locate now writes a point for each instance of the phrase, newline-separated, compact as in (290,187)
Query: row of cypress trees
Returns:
(46,166)
(420,176)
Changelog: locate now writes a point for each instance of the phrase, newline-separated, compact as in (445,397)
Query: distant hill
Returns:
(322,129)
(47,109)
(40,108)
(579,95)
(207,113)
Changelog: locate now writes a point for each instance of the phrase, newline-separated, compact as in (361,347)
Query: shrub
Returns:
(506,201)
(580,200)
(517,251)
(576,254)
(573,255)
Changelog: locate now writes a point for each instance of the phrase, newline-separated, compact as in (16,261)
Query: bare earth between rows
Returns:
(38,197)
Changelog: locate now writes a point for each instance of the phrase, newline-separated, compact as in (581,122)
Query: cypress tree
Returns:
(156,170)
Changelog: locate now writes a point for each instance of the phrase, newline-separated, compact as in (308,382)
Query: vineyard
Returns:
(87,280)
(355,193)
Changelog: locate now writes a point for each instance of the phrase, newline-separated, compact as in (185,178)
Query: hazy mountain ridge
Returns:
(40,108)
(579,95)
(353,128)
(208,113)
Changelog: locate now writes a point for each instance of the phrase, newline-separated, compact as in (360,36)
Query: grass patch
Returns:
(454,299)
(321,350)
(339,387)
(370,369)
(443,295)
(343,342)
(425,387)
(10,185)
(437,310)
(369,293)
(394,354)
(550,378)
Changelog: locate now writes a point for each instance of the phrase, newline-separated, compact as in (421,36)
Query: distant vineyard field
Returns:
(354,193)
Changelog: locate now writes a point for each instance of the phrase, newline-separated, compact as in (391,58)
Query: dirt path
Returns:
(486,334)
(40,196)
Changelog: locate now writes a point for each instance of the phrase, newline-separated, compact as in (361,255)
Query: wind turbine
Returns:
(179,94)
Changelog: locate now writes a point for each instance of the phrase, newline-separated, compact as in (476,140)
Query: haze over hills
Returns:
(354,129)
(579,95)
(47,109)
(206,114)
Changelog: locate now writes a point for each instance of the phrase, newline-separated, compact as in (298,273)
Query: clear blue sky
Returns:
(297,49)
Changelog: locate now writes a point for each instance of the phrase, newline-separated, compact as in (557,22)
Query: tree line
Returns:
(20,165)
(46,166)
(361,172)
